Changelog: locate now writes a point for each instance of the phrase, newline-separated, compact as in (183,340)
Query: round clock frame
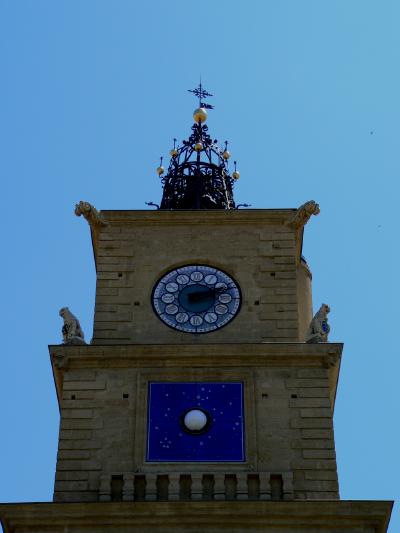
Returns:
(196,298)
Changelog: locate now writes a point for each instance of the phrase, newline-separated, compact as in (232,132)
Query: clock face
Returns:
(196,298)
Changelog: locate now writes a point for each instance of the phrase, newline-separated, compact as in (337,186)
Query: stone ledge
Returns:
(304,516)
(216,356)
(304,352)
(199,216)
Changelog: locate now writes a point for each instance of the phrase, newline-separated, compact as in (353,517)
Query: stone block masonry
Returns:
(289,397)
(255,247)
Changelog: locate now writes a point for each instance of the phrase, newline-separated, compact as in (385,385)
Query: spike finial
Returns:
(201,95)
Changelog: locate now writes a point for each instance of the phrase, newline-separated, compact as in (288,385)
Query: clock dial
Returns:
(196,298)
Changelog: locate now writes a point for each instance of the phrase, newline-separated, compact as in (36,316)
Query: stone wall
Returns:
(255,247)
(289,395)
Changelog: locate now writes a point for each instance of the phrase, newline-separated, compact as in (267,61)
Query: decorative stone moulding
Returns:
(198,486)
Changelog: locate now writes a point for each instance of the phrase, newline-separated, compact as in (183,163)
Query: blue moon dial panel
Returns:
(195,422)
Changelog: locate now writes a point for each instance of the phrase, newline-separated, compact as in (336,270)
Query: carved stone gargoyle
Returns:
(318,329)
(90,213)
(303,214)
(71,331)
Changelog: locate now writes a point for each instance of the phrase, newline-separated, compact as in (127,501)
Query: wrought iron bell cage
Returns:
(198,175)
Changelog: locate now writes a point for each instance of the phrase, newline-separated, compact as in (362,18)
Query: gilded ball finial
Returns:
(226,154)
(235,173)
(200,115)
(174,151)
(160,169)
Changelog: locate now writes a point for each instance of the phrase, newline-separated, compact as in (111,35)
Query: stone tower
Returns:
(198,405)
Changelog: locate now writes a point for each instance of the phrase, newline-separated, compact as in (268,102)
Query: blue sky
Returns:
(307,93)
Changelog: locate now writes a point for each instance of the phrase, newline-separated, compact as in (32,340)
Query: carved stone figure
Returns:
(318,330)
(303,214)
(71,331)
(90,213)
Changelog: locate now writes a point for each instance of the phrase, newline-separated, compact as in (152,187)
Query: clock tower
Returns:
(198,405)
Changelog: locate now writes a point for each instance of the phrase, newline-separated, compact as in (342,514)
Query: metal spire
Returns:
(198,175)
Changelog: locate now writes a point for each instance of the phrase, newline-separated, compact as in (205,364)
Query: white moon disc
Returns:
(225,298)
(210,279)
(195,420)
(182,279)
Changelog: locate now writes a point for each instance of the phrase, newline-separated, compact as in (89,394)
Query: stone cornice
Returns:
(273,353)
(215,515)
(196,217)
(214,356)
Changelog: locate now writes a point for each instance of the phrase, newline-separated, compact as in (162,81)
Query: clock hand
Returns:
(204,295)
(220,290)
(200,295)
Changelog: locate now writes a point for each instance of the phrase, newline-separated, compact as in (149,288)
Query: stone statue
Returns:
(318,330)
(90,213)
(71,331)
(303,214)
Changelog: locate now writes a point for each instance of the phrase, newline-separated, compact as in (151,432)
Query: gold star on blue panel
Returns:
(195,422)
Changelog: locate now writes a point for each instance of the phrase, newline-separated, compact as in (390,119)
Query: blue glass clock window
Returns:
(199,421)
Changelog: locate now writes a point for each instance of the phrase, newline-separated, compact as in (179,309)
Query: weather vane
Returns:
(201,93)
